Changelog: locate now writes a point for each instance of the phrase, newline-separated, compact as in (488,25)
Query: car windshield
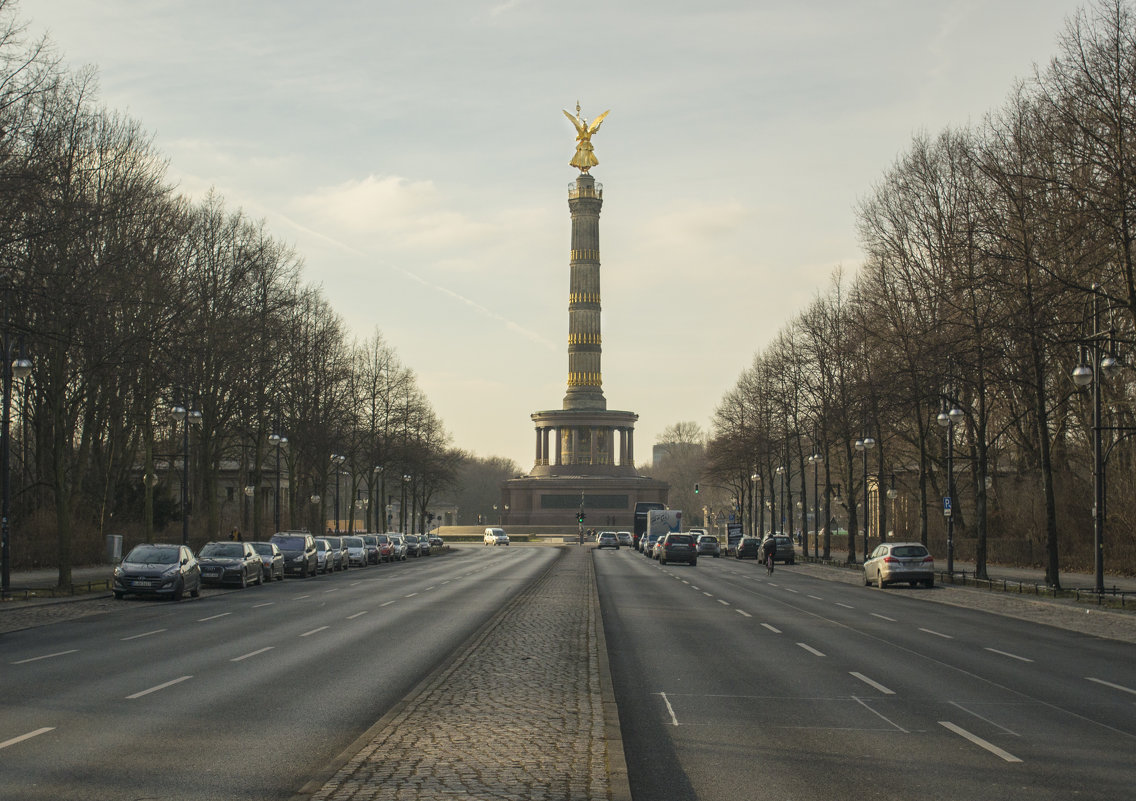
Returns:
(353,542)
(223,549)
(383,539)
(289,543)
(322,545)
(681,539)
(909,550)
(153,555)
(708,538)
(263,548)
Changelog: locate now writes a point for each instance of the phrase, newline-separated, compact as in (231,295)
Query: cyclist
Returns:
(768,549)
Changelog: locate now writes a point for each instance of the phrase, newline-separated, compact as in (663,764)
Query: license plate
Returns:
(139,583)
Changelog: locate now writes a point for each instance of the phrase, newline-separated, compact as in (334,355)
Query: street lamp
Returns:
(948,420)
(892,494)
(14,369)
(1083,376)
(337,460)
(187,418)
(279,442)
(780,471)
(816,460)
(402,503)
(864,445)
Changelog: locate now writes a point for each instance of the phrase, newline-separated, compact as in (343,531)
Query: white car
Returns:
(496,536)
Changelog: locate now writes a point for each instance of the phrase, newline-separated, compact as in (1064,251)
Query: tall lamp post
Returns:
(754,481)
(279,442)
(892,493)
(777,527)
(17,369)
(864,445)
(337,461)
(402,503)
(186,417)
(816,460)
(948,420)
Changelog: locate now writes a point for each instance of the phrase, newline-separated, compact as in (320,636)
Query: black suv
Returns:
(299,548)
(679,548)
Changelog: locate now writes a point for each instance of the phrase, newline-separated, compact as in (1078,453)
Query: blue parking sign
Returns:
(947,506)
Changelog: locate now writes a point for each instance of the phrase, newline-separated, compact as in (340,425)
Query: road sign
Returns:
(947,506)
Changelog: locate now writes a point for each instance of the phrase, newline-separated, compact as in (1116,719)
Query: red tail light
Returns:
(890,559)
(928,558)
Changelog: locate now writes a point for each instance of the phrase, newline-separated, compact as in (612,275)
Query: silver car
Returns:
(893,562)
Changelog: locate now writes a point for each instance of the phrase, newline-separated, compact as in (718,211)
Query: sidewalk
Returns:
(524,711)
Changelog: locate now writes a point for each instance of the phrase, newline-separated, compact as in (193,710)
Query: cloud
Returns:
(413,214)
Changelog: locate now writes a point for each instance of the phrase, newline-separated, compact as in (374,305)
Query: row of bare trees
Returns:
(130,299)
(984,249)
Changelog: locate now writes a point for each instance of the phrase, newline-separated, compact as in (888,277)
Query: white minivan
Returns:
(496,536)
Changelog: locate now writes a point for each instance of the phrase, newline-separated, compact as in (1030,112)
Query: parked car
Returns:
(356,551)
(748,547)
(424,546)
(398,547)
(158,569)
(326,556)
(647,543)
(373,553)
(230,563)
(495,536)
(678,547)
(437,544)
(411,541)
(625,538)
(272,559)
(607,539)
(657,547)
(386,548)
(708,545)
(785,552)
(299,549)
(893,562)
(340,550)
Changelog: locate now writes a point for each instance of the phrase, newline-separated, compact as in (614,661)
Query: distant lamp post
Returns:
(948,420)
(864,445)
(402,504)
(892,494)
(777,527)
(816,460)
(337,461)
(189,417)
(14,369)
(754,525)
(279,442)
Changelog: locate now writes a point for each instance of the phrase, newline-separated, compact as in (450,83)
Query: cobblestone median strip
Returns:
(521,713)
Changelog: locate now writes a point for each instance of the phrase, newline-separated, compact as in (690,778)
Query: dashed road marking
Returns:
(846,606)
(1007,653)
(727,603)
(670,709)
(774,629)
(974,738)
(884,617)
(937,634)
(314,631)
(27,736)
(251,653)
(810,649)
(266,603)
(46,656)
(357,614)
(386,603)
(143,634)
(1120,687)
(162,686)
(744,614)
(871,683)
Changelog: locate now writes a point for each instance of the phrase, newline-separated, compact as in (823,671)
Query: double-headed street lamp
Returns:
(187,418)
(948,420)
(816,460)
(279,442)
(14,369)
(863,446)
(337,461)
(757,521)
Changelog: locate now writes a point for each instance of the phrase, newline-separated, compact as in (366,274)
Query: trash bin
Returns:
(114,548)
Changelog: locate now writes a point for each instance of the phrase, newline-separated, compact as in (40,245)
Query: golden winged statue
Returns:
(585,157)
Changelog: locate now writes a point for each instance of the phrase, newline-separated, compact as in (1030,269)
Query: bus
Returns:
(641,509)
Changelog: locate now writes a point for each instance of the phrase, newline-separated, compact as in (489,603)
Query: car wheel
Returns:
(118,596)
(929,583)
(867,581)
(880,580)
(196,591)
(662,561)
(179,589)
(791,562)
(304,570)
(694,563)
(244,580)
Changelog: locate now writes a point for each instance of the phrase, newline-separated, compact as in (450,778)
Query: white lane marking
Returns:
(846,606)
(159,687)
(885,617)
(937,634)
(251,653)
(143,634)
(213,617)
(1007,653)
(410,596)
(352,584)
(333,589)
(447,581)
(1120,687)
(974,738)
(266,603)
(771,584)
(725,603)
(878,715)
(27,736)
(810,649)
(313,631)
(708,595)
(744,614)
(388,603)
(357,614)
(302,597)
(684,581)
(695,588)
(46,656)
(670,709)
(957,705)
(871,683)
(816,598)
(774,629)
(429,588)
(790,589)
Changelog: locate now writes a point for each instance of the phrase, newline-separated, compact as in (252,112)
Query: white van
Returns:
(496,536)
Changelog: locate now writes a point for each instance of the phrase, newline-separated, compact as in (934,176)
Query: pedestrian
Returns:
(235,535)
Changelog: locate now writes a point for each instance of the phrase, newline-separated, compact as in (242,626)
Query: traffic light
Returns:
(696,489)
(579,517)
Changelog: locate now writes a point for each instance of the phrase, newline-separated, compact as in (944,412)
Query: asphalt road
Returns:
(734,684)
(238,695)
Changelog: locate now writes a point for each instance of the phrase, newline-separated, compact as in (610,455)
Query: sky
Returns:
(416,156)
